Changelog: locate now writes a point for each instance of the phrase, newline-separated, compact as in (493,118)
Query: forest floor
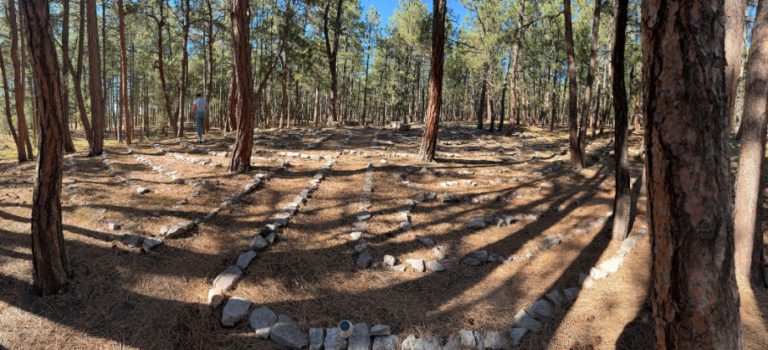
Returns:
(122,297)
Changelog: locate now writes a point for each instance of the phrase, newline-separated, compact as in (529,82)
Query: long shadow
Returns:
(639,333)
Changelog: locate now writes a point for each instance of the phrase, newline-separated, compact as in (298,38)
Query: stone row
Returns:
(364,258)
(346,141)
(266,236)
(173,175)
(204,161)
(304,156)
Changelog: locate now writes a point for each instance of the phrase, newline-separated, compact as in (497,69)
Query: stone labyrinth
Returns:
(475,251)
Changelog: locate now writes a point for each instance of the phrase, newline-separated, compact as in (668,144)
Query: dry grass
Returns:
(123,298)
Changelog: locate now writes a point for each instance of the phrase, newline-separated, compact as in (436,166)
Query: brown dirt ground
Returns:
(124,298)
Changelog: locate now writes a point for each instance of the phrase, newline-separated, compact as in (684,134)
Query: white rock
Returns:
(612,265)
(235,311)
(467,339)
(597,274)
(259,242)
(360,338)
(380,329)
(389,260)
(522,319)
(477,223)
(334,341)
(142,190)
(315,338)
(387,342)
(150,243)
(540,309)
(417,264)
(496,341)
(262,320)
(478,340)
(435,266)
(288,334)
(228,278)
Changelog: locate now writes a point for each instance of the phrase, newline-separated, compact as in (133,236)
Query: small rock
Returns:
(571,293)
(586,281)
(334,341)
(431,343)
(597,274)
(364,260)
(132,241)
(471,262)
(315,338)
(417,264)
(388,342)
(426,241)
(114,226)
(355,235)
(235,311)
(480,255)
(467,339)
(215,297)
(522,319)
(228,278)
(288,334)
(540,309)
(389,260)
(150,243)
(245,259)
(435,266)
(612,265)
(406,226)
(142,190)
(259,243)
(262,320)
(438,253)
(380,329)
(478,340)
(517,335)
(496,341)
(360,338)
(556,298)
(477,223)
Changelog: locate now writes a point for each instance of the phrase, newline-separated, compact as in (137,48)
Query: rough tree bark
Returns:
(577,159)
(622,199)
(160,24)
(694,295)
(241,156)
(429,144)
(18,86)
(734,51)
(588,88)
(513,70)
(748,234)
(124,76)
(78,76)
(49,256)
(94,65)
(8,104)
(69,146)
(332,51)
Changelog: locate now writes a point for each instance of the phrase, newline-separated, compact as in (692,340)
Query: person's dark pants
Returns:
(200,121)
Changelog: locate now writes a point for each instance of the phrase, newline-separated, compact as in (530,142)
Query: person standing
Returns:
(200,110)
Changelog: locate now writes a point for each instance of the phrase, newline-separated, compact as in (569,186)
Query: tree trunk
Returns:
(78,76)
(489,98)
(734,52)
(638,86)
(69,146)
(694,294)
(8,104)
(94,64)
(209,62)
(588,88)
(18,85)
(748,234)
(317,101)
(481,105)
(332,51)
(241,156)
(429,144)
(577,159)
(513,108)
(124,76)
(184,68)
(161,71)
(49,256)
(622,199)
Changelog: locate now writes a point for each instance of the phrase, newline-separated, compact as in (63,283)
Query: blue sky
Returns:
(387,7)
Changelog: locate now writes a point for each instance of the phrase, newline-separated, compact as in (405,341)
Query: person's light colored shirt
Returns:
(200,105)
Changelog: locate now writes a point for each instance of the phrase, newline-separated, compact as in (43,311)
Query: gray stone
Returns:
(363,215)
(228,278)
(417,264)
(270,238)
(142,190)
(612,265)
(586,281)
(387,342)
(179,229)
(438,253)
(426,241)
(355,235)
(150,243)
(629,244)
(360,338)
(114,226)
(235,311)
(380,329)
(467,339)
(522,319)
(571,293)
(431,343)
(496,341)
(245,259)
(445,198)
(259,242)
(477,223)
(315,338)
(389,260)
(361,225)
(364,260)
(453,343)
(406,226)
(480,255)
(288,334)
(334,341)
(367,188)
(478,340)
(540,309)
(517,335)
(398,268)
(132,241)
(471,262)
(435,266)
(556,298)
(552,240)
(262,320)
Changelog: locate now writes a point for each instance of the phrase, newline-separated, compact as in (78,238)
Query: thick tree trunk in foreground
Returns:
(694,295)
(332,51)
(18,86)
(241,156)
(429,144)
(748,234)
(622,200)
(577,159)
(94,64)
(734,52)
(49,256)
(588,88)
(124,76)
(7,99)
(69,146)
